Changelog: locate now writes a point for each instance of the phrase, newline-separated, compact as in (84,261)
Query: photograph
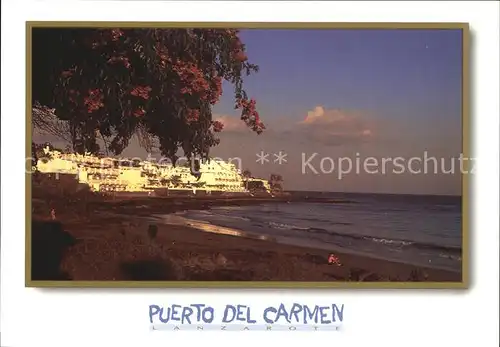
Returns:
(247,155)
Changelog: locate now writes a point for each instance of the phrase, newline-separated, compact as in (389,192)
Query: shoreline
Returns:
(113,241)
(205,226)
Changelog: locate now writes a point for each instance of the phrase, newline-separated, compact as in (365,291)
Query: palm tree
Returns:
(165,181)
(246,175)
(198,184)
(175,180)
(275,181)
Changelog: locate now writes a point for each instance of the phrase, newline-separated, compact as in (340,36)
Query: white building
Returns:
(110,174)
(213,175)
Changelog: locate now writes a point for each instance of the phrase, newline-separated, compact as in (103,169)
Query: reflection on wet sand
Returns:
(207,227)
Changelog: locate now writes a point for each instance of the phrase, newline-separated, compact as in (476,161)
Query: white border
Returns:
(31,317)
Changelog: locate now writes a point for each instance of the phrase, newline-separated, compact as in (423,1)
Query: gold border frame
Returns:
(255,25)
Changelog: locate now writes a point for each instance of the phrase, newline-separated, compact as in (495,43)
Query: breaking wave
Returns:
(386,241)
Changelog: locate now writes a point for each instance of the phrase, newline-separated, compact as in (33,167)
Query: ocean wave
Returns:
(218,217)
(390,242)
(284,226)
(399,243)
(325,221)
(326,234)
(418,245)
(238,218)
(437,247)
(452,257)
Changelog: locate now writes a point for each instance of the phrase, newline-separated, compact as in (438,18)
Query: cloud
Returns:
(335,126)
(331,127)
(231,123)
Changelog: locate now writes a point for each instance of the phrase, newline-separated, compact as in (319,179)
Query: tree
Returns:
(158,83)
(164,181)
(276,181)
(198,184)
(38,153)
(246,175)
(175,180)
(46,122)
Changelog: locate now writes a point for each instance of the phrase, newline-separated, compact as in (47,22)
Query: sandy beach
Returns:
(117,241)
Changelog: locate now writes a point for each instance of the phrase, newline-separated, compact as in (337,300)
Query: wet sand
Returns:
(111,241)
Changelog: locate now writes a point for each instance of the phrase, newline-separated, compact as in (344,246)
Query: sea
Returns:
(415,229)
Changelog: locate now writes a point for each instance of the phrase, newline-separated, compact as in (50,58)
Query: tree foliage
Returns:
(176,180)
(246,174)
(38,153)
(114,83)
(276,183)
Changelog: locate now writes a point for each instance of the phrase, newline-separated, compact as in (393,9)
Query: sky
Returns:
(347,94)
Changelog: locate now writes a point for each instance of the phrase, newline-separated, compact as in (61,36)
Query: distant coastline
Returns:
(313,192)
